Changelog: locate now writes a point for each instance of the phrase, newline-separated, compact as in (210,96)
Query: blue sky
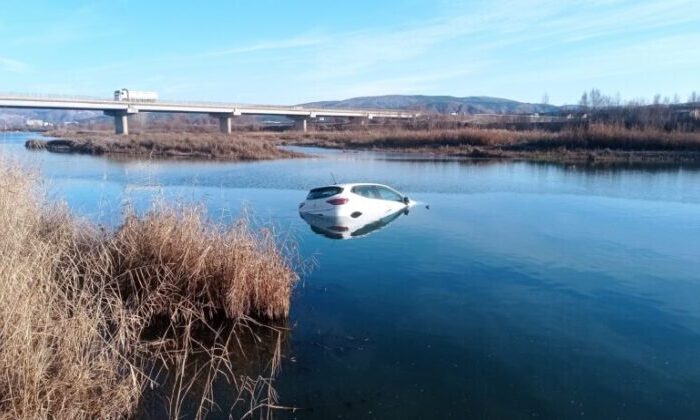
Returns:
(279,52)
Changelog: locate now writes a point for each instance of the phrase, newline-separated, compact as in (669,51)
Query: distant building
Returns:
(37,123)
(689,113)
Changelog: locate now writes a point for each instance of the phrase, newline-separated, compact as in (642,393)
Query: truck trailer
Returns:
(135,95)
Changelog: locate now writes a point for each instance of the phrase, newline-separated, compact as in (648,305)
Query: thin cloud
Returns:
(12,65)
(403,84)
(531,24)
(70,27)
(297,42)
(499,47)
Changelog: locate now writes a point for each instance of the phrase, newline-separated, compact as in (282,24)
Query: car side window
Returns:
(387,194)
(376,192)
(367,191)
(361,190)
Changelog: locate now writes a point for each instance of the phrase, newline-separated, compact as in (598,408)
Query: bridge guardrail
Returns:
(103,100)
(18,95)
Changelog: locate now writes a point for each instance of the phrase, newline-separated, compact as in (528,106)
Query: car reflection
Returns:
(348,227)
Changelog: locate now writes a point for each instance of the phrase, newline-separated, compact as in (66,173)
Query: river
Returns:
(514,290)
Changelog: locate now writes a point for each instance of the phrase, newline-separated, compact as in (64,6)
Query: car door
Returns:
(370,201)
(392,200)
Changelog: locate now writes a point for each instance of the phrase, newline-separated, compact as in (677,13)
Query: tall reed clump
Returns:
(171,258)
(76,301)
(57,358)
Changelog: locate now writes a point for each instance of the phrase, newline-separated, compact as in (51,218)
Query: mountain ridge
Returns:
(441,104)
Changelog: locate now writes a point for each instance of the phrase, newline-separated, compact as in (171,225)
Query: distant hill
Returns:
(440,104)
(16,118)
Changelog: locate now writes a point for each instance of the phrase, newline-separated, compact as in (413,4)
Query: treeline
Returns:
(595,99)
(661,113)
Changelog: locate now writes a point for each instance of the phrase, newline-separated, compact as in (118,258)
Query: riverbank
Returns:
(87,312)
(201,146)
(595,143)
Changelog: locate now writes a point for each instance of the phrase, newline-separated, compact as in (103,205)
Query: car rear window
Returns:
(324,192)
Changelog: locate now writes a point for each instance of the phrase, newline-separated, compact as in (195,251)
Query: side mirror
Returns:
(406,200)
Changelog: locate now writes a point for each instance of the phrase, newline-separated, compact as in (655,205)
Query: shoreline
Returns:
(563,156)
(594,145)
(597,143)
(167,146)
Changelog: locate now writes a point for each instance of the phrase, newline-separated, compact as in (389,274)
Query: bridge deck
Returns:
(130,107)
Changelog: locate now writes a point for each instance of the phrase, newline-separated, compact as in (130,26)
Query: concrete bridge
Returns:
(120,109)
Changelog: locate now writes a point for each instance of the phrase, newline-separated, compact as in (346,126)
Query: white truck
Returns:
(135,95)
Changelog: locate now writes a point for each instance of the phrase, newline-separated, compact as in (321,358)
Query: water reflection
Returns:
(224,369)
(528,290)
(348,227)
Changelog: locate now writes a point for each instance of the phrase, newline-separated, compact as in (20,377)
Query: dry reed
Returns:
(594,136)
(78,305)
(577,141)
(164,145)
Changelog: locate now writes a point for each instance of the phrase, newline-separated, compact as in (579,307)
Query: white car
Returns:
(353,201)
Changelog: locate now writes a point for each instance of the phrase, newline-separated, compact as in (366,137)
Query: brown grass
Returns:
(164,145)
(616,137)
(77,301)
(398,139)
(586,137)
(604,143)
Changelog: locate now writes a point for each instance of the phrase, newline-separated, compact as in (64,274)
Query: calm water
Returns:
(524,291)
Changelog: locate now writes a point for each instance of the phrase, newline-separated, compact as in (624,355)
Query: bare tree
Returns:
(596,98)
(618,100)
(584,100)
(545,99)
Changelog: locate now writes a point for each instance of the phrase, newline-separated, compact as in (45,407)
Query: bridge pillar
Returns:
(121,121)
(225,122)
(301,124)
(121,124)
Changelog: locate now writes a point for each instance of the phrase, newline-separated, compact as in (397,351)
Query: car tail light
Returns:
(338,201)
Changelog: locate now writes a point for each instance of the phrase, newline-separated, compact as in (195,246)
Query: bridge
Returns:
(224,112)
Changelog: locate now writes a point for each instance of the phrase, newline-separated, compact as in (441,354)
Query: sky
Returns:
(277,52)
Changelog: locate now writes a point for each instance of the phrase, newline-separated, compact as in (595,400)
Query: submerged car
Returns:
(353,201)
